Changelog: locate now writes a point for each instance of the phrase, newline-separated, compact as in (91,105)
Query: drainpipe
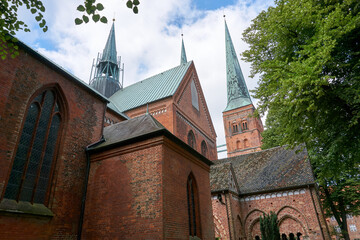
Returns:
(87,172)
(227,213)
(317,214)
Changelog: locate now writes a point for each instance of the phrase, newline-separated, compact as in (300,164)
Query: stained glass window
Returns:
(31,171)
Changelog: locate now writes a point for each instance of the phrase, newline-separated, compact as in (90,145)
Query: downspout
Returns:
(227,213)
(317,214)
(87,172)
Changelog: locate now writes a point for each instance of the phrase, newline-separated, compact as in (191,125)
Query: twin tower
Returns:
(242,129)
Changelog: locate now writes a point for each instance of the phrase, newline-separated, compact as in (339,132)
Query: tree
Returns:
(269,227)
(307,53)
(10,23)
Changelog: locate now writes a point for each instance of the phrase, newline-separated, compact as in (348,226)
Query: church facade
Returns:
(74,166)
(96,161)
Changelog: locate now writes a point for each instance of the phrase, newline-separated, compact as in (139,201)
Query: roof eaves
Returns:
(60,69)
(156,133)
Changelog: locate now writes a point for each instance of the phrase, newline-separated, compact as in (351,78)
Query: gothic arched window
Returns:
(34,160)
(203,148)
(193,207)
(191,139)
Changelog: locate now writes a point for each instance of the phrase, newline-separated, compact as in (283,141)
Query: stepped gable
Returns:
(267,170)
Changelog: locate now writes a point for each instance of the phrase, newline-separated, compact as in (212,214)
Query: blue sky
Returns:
(150,41)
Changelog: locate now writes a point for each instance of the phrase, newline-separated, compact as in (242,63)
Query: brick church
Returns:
(103,161)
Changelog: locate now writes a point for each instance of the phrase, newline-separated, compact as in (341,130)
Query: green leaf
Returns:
(96,17)
(45,29)
(78,21)
(38,18)
(33,10)
(129,4)
(103,19)
(135,10)
(136,2)
(42,24)
(85,18)
(99,7)
(80,8)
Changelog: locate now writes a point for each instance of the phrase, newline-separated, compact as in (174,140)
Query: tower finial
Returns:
(183,58)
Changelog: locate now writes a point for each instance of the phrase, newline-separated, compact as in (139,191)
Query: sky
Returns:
(150,42)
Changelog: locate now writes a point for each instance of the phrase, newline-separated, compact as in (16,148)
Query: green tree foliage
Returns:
(269,227)
(10,23)
(307,53)
(341,198)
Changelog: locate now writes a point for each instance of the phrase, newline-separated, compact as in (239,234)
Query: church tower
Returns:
(104,76)
(242,130)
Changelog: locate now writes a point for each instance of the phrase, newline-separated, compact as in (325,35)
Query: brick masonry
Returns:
(22,79)
(138,191)
(242,141)
(298,211)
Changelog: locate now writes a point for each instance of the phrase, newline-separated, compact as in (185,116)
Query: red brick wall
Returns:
(124,198)
(21,78)
(221,222)
(168,111)
(199,121)
(235,142)
(138,191)
(293,206)
(111,118)
(177,166)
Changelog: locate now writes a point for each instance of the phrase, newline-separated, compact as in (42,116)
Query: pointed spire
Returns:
(237,92)
(109,53)
(105,72)
(183,53)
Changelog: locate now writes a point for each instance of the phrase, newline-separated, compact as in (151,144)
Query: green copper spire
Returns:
(109,53)
(183,53)
(105,73)
(237,92)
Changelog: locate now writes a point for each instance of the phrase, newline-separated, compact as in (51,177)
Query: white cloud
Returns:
(150,41)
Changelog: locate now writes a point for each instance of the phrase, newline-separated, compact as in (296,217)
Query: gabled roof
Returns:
(157,87)
(54,66)
(220,179)
(129,129)
(137,129)
(268,170)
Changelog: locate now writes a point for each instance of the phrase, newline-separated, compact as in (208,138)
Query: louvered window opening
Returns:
(34,160)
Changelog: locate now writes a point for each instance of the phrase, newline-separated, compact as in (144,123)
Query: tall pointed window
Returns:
(34,160)
(191,139)
(193,207)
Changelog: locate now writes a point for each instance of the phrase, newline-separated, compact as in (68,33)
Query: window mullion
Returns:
(29,152)
(43,150)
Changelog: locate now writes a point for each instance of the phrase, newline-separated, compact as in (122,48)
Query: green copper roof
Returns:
(109,53)
(237,92)
(151,89)
(183,53)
